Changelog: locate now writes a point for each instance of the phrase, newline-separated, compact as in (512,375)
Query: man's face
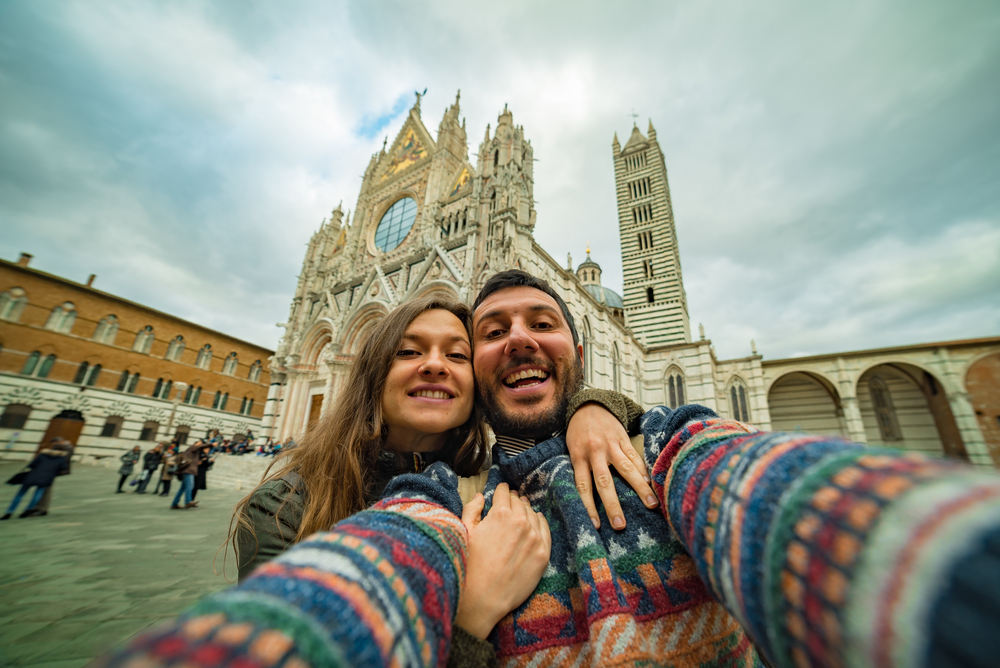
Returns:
(526,365)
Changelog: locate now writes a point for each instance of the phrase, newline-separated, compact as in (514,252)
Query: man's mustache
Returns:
(525,360)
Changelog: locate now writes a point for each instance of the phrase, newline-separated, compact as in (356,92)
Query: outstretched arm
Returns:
(379,589)
(830,553)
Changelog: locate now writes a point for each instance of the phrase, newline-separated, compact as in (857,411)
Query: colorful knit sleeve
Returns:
(379,589)
(831,553)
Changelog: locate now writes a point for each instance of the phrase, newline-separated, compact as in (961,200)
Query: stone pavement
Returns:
(101,566)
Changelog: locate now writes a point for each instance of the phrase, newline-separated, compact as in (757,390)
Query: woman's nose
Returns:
(433,364)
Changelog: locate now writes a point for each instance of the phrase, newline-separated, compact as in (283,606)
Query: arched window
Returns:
(588,352)
(246,406)
(675,388)
(175,348)
(143,340)
(95,371)
(81,373)
(649,295)
(46,367)
(61,318)
(254,375)
(112,426)
(12,303)
(31,364)
(107,330)
(225,400)
(131,382)
(218,399)
(885,411)
(123,381)
(229,366)
(204,357)
(14,416)
(739,408)
(496,159)
(616,368)
(192,395)
(162,389)
(149,430)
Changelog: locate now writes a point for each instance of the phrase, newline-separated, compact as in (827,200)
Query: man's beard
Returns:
(538,427)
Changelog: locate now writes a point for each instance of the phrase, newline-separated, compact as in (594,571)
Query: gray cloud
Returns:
(833,169)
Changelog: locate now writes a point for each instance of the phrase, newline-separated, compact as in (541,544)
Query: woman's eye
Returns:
(407,353)
(458,356)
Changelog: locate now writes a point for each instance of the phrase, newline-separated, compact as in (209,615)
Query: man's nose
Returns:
(520,340)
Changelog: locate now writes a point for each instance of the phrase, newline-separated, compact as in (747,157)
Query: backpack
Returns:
(180,463)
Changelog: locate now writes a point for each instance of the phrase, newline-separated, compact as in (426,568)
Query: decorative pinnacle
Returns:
(588,249)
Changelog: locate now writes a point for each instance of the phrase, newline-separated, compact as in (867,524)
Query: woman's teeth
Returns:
(536,375)
(431,395)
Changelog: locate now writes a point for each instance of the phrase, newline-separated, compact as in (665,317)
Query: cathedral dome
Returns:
(605,296)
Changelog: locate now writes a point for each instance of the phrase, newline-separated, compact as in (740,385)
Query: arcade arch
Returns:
(904,406)
(808,402)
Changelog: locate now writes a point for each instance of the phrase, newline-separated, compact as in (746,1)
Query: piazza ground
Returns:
(101,566)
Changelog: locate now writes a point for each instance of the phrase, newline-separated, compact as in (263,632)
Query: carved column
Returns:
(965,415)
(849,399)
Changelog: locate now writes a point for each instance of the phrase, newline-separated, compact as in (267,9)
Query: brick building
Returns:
(107,373)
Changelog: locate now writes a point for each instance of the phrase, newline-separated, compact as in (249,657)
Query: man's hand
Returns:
(596,440)
(508,552)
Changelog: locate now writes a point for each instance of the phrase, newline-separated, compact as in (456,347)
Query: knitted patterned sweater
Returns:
(826,553)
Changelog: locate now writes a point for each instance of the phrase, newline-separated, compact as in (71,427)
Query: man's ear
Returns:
(579,351)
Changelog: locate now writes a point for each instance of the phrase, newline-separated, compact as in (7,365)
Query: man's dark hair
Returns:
(515,278)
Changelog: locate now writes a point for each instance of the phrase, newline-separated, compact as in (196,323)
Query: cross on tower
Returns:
(634,116)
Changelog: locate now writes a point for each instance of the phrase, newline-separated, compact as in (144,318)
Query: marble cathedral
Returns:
(429,220)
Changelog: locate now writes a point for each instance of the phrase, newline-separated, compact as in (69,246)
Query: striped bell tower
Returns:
(655,303)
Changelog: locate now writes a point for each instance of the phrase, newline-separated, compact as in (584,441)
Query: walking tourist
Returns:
(821,551)
(42,507)
(165,475)
(150,462)
(201,476)
(42,470)
(187,467)
(128,463)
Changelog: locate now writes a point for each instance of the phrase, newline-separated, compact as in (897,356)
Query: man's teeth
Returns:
(432,395)
(534,374)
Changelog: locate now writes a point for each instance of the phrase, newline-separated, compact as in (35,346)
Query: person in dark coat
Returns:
(41,508)
(43,469)
(128,463)
(201,477)
(150,462)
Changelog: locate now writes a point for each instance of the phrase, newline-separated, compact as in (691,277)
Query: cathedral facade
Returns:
(428,220)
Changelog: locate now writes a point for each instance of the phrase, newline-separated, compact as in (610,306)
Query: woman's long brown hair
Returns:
(337,457)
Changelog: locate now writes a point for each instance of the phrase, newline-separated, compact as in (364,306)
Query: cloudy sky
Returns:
(834,167)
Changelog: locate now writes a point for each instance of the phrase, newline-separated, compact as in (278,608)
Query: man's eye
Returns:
(494,333)
(543,325)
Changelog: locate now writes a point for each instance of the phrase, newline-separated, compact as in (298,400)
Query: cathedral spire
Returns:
(651,133)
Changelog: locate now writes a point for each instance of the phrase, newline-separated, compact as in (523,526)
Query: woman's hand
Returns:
(596,439)
(508,552)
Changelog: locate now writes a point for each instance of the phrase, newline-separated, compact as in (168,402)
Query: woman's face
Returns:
(429,389)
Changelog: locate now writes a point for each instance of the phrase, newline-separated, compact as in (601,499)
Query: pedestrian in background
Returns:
(128,463)
(166,474)
(42,470)
(41,508)
(201,477)
(187,468)
(150,462)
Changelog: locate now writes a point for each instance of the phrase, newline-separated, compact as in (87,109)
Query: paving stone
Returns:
(101,567)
